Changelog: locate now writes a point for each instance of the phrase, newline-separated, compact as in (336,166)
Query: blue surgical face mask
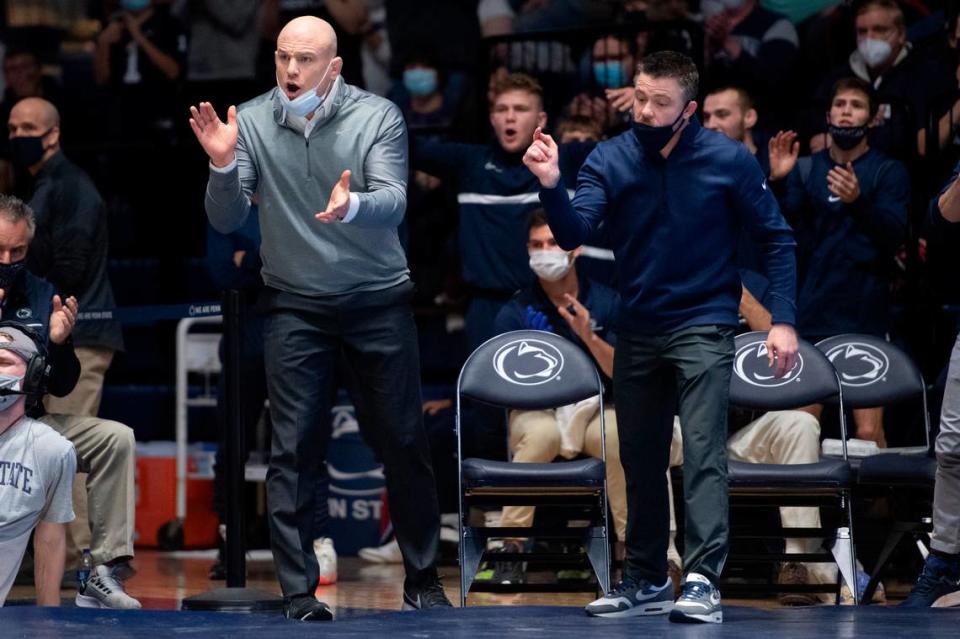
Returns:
(134,5)
(306,103)
(419,81)
(609,74)
(654,138)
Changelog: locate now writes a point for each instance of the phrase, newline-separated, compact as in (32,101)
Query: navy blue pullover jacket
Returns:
(675,225)
(846,251)
(496,194)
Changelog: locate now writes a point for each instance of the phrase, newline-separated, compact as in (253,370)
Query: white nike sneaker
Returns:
(327,558)
(389,553)
(103,590)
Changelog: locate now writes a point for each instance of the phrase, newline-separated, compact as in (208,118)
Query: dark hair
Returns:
(854,83)
(671,64)
(538,218)
(518,82)
(13,209)
(743,96)
(579,123)
(889,5)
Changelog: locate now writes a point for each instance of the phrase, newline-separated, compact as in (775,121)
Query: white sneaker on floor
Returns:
(389,553)
(105,591)
(327,558)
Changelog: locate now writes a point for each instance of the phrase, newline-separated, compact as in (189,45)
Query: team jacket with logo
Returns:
(675,225)
(496,194)
(846,251)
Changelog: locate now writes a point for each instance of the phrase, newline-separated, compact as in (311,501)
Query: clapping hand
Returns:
(62,319)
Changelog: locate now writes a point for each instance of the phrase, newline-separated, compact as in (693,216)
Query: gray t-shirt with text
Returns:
(37,466)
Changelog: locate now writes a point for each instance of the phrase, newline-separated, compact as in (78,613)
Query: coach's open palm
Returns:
(218,138)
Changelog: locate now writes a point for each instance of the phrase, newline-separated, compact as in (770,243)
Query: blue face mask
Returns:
(305,103)
(420,82)
(134,5)
(609,74)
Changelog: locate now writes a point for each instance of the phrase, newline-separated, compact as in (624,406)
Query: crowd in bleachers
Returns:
(121,74)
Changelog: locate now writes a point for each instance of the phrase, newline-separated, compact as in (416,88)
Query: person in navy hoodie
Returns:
(848,204)
(676,198)
(496,194)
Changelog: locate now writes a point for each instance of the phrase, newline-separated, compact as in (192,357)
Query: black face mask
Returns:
(27,151)
(654,138)
(846,137)
(9,273)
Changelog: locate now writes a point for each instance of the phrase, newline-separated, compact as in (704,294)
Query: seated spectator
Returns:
(38,466)
(612,62)
(105,449)
(578,129)
(749,45)
(731,111)
(140,55)
(429,97)
(583,312)
(848,206)
(24,79)
(883,59)
(496,193)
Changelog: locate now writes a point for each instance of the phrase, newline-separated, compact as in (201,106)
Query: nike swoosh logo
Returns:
(833,198)
(490,166)
(764,185)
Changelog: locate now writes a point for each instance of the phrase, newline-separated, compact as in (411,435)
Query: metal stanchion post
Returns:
(236,597)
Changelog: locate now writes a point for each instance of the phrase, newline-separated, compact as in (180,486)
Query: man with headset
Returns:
(105,449)
(37,466)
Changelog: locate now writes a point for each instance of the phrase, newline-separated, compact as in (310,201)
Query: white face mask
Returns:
(8,382)
(308,102)
(875,52)
(550,265)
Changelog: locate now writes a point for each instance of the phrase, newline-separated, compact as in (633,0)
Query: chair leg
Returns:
(597,545)
(471,552)
(891,543)
(844,552)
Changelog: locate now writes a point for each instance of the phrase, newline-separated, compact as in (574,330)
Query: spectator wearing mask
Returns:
(582,311)
(883,59)
(70,246)
(105,449)
(39,466)
(496,193)
(24,79)
(848,205)
(429,97)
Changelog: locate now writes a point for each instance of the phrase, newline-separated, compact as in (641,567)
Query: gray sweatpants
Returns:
(946,496)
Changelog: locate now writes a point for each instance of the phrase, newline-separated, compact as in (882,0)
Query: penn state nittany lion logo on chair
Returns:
(528,362)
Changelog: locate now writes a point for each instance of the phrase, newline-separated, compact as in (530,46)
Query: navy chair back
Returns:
(529,370)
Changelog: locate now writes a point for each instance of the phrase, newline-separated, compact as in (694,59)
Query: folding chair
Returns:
(874,372)
(531,370)
(825,484)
